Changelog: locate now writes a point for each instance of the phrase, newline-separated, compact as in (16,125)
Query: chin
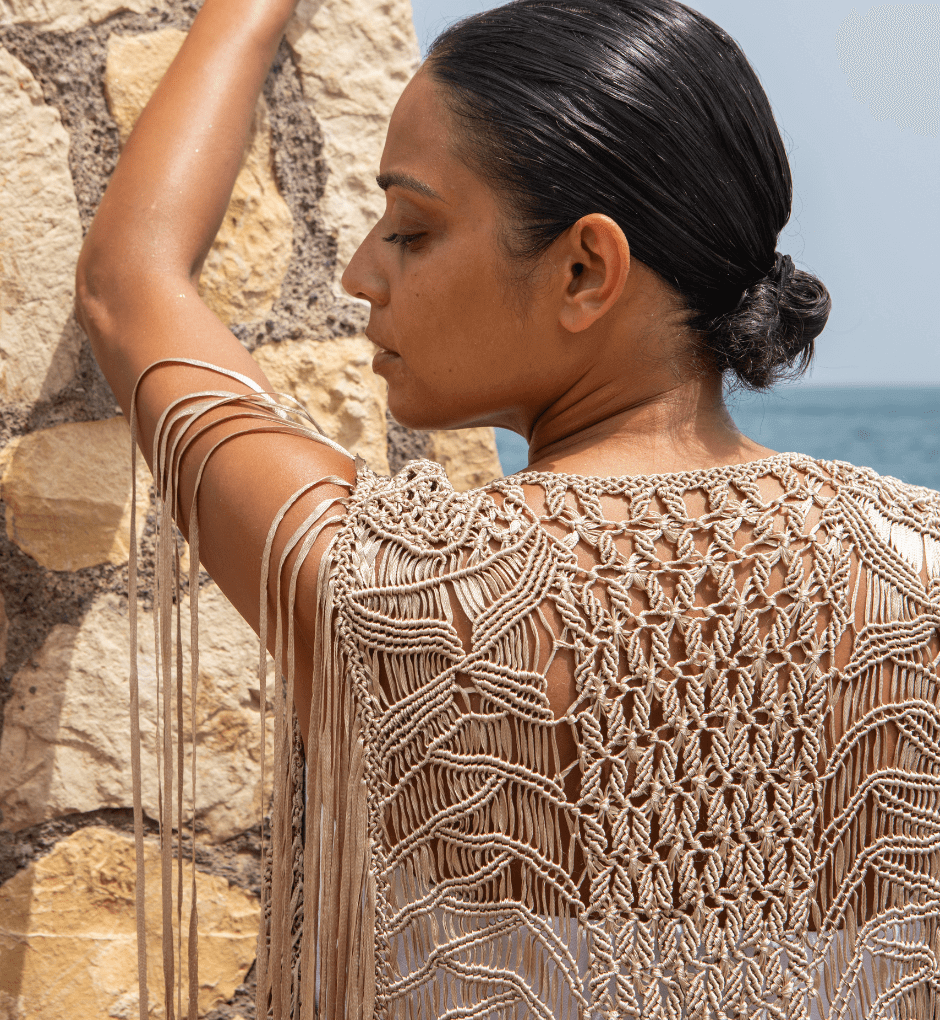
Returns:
(424,417)
(410,418)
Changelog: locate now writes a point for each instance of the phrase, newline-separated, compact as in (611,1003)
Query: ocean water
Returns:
(893,429)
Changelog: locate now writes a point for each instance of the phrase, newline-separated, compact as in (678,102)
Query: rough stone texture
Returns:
(40,237)
(237,860)
(67,933)
(67,15)
(68,494)
(308,196)
(38,600)
(4,627)
(242,276)
(468,455)
(355,57)
(334,381)
(66,747)
(405,444)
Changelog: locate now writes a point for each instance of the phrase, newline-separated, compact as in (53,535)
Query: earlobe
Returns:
(597,257)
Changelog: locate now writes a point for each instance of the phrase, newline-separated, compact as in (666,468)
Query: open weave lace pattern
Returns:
(750,823)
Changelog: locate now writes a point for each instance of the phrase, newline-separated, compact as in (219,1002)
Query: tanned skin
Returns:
(585,354)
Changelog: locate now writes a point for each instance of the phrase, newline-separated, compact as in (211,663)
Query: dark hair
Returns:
(650,113)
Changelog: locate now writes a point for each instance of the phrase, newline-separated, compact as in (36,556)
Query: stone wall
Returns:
(74,75)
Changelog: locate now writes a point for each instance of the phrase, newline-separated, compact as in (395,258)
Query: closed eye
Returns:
(405,240)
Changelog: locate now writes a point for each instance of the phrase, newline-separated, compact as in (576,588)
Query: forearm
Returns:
(172,185)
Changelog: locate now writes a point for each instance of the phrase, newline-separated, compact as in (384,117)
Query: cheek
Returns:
(451,339)
(451,297)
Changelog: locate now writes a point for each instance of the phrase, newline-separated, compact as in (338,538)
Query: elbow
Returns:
(91,297)
(114,292)
(100,293)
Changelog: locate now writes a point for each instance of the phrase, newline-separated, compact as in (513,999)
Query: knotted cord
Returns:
(746,822)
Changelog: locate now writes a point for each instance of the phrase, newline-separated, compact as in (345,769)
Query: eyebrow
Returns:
(393,179)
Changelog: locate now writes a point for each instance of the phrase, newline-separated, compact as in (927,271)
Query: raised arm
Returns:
(137,273)
(137,296)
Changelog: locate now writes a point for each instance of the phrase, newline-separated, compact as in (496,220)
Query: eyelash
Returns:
(405,240)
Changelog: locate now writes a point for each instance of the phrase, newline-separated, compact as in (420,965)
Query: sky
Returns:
(855,89)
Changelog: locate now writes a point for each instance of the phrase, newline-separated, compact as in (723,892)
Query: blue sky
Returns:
(856,92)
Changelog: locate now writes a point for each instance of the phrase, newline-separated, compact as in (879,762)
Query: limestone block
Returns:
(68,15)
(68,494)
(68,944)
(468,455)
(40,237)
(355,58)
(66,740)
(334,380)
(7,452)
(243,272)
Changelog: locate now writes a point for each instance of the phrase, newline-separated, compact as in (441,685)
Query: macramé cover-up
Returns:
(746,821)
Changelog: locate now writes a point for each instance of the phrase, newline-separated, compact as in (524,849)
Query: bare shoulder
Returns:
(247,478)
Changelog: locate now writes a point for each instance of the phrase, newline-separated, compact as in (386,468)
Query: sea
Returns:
(893,429)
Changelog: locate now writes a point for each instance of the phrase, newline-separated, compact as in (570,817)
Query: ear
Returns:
(595,258)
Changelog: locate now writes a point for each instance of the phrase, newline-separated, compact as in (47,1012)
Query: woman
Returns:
(648,729)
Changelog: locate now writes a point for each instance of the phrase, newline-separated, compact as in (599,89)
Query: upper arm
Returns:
(135,319)
(268,506)
(247,468)
(247,471)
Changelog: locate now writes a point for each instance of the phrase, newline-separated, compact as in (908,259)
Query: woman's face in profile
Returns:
(462,341)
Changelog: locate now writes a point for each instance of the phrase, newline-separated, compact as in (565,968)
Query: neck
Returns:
(681,426)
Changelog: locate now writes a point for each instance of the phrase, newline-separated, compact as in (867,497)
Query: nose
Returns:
(363,278)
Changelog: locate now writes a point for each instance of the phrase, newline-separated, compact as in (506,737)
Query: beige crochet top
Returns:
(736,814)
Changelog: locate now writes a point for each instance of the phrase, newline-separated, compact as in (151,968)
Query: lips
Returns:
(383,356)
(383,348)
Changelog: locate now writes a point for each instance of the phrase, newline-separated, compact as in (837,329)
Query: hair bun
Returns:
(782,272)
(771,333)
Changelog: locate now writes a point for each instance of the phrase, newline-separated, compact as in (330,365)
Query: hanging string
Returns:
(745,820)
